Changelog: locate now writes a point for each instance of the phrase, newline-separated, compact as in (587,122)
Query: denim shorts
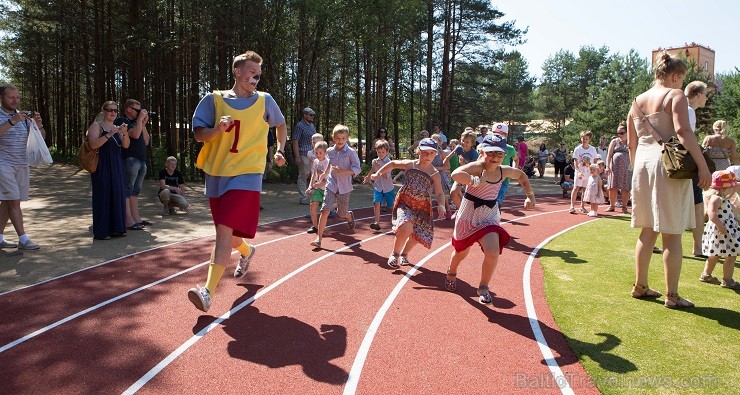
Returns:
(134,171)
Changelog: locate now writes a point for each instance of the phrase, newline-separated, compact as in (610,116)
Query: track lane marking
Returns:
(356,371)
(129,256)
(560,379)
(190,342)
(104,303)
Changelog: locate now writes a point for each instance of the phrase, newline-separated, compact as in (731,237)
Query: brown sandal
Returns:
(642,291)
(451,285)
(673,301)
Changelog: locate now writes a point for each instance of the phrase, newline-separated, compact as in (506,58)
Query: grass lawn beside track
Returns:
(633,346)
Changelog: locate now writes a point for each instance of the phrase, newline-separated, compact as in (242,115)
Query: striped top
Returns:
(478,208)
(13,142)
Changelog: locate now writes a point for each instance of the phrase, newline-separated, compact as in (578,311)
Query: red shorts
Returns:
(238,210)
(503,238)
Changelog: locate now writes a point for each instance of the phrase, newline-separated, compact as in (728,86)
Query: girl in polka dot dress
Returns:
(721,236)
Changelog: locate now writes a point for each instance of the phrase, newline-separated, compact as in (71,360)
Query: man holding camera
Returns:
(14,171)
(134,160)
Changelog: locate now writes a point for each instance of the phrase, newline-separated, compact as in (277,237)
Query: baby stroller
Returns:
(529,165)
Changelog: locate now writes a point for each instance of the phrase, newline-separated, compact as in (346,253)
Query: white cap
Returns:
(501,129)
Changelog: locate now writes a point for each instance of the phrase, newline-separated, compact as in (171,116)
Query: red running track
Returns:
(302,320)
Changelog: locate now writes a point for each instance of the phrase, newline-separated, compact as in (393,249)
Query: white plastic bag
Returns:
(36,150)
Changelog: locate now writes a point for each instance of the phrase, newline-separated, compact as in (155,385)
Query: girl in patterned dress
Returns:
(721,236)
(478,217)
(412,210)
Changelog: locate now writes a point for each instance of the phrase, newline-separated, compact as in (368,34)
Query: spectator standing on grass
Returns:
(661,205)
(720,147)
(696,94)
(721,238)
(15,175)
(301,142)
(172,188)
(618,169)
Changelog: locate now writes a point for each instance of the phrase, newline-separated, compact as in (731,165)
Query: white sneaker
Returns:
(243,264)
(592,214)
(393,261)
(29,245)
(200,297)
(7,244)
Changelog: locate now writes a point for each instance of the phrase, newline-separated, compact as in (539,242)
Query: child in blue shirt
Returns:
(383,188)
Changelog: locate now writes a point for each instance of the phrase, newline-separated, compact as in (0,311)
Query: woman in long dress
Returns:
(108,191)
(661,205)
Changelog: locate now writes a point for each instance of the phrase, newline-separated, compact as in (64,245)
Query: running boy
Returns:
(317,185)
(343,164)
(383,188)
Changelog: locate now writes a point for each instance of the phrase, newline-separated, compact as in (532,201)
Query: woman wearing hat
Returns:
(412,211)
(721,235)
(478,218)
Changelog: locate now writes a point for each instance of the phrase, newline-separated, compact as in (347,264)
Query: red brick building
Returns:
(704,56)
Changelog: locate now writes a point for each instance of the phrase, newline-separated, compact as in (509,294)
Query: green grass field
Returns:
(632,346)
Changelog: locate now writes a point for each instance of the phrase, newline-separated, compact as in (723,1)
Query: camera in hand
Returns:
(29,114)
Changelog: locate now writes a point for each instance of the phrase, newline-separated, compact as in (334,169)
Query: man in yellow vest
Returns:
(233,125)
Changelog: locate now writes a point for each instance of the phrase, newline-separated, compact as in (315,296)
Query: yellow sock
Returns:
(215,272)
(243,248)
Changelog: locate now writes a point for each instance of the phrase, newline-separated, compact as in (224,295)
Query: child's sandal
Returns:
(451,285)
(642,291)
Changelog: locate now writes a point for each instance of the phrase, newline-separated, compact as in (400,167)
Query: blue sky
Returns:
(623,25)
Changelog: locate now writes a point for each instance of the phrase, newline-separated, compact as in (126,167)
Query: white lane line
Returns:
(354,374)
(170,358)
(124,257)
(560,379)
(356,371)
(53,325)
